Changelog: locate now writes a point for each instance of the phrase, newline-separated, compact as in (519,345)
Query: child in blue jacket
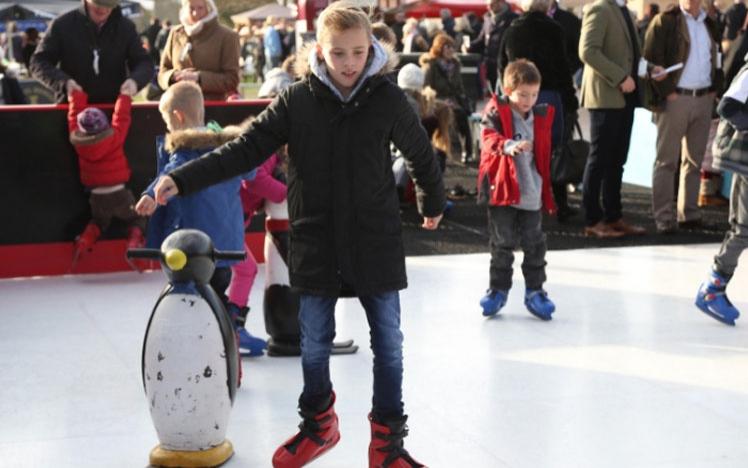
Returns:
(217,210)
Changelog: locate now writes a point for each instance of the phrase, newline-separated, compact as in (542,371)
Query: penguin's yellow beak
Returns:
(175,259)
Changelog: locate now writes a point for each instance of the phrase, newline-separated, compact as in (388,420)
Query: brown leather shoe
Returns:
(627,229)
(602,231)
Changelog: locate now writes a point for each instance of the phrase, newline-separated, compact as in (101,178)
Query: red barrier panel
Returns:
(44,204)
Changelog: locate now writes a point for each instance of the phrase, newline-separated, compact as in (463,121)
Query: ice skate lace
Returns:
(309,428)
(395,448)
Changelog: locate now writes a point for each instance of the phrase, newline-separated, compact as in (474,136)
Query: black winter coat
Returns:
(70,43)
(343,207)
(488,41)
(572,27)
(536,37)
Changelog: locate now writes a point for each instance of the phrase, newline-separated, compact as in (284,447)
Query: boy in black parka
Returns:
(345,230)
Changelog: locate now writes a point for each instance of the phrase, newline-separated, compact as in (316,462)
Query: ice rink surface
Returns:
(629,374)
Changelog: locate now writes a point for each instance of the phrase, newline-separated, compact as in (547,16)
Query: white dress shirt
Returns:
(697,71)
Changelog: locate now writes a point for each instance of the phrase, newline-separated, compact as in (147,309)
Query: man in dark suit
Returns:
(609,48)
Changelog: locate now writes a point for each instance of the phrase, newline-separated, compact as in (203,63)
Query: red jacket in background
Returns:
(101,157)
(497,173)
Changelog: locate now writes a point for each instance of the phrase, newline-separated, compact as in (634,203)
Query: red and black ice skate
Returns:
(84,242)
(386,449)
(318,433)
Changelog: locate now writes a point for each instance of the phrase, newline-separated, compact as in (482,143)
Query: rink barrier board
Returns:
(45,206)
(107,256)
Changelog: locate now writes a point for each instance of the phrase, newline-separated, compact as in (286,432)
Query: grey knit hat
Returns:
(106,3)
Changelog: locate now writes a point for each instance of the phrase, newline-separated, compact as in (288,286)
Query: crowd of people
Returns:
(344,216)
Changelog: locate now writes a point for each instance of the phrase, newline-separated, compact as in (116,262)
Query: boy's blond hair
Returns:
(342,16)
(185,97)
(520,72)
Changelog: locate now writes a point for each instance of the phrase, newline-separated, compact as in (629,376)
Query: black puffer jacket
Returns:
(536,37)
(343,206)
(67,51)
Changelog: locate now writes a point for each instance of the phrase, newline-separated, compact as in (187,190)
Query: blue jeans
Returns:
(317,321)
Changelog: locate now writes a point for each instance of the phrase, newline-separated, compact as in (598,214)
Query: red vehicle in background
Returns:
(310,9)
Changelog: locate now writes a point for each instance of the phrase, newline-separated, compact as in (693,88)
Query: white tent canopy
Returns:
(262,12)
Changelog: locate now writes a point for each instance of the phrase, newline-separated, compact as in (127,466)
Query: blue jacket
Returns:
(216,210)
(272,41)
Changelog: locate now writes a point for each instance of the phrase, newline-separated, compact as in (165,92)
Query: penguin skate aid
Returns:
(345,228)
(190,365)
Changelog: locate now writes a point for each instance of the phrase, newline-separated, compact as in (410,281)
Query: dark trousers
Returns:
(119,204)
(492,76)
(610,134)
(463,126)
(509,227)
(736,238)
(559,132)
(560,196)
(220,283)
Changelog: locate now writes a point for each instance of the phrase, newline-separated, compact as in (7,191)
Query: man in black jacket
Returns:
(94,48)
(495,22)
(572,27)
(536,37)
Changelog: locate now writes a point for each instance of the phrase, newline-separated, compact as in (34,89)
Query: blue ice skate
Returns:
(712,299)
(249,345)
(537,302)
(493,301)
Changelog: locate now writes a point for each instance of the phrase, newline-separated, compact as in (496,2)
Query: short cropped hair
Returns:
(536,5)
(520,72)
(186,97)
(341,16)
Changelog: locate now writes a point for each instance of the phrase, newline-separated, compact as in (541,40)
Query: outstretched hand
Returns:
(431,223)
(129,87)
(165,189)
(146,206)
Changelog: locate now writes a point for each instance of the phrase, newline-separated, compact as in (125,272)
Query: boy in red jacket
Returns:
(514,180)
(103,167)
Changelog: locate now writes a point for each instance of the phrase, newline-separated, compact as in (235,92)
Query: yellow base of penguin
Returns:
(215,456)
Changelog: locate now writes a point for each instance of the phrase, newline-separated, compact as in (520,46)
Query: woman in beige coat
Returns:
(201,50)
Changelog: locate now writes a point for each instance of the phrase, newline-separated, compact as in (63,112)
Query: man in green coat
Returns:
(609,48)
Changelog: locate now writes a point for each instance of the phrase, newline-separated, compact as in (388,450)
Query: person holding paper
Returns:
(682,101)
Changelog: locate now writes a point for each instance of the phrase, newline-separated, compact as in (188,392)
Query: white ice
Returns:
(629,374)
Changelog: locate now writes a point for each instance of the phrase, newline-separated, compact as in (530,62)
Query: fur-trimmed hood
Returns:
(203,137)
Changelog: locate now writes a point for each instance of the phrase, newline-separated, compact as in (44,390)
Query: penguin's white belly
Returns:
(186,375)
